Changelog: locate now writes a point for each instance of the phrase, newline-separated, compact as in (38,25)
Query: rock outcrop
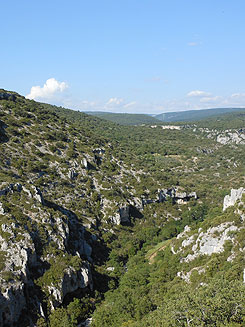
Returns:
(1,209)
(230,200)
(176,194)
(84,162)
(72,174)
(206,243)
(19,254)
(22,256)
(231,137)
(72,281)
(38,195)
(122,216)
(228,136)
(35,193)
(12,302)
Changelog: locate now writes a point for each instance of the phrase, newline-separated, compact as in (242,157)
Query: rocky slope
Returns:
(79,197)
(194,279)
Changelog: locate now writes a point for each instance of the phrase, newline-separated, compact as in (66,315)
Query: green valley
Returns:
(107,224)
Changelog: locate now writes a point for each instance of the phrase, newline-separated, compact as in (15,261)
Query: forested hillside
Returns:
(125,119)
(113,225)
(192,115)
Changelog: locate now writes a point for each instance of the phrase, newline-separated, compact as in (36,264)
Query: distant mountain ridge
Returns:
(167,117)
(191,115)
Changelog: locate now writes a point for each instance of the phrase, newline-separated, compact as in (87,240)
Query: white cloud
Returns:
(81,105)
(130,104)
(198,93)
(114,102)
(118,104)
(194,100)
(49,89)
(238,95)
(197,100)
(210,99)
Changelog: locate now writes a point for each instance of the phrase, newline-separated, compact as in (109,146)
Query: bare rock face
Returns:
(21,256)
(191,245)
(116,219)
(230,200)
(209,242)
(12,302)
(1,209)
(72,174)
(223,139)
(122,216)
(18,255)
(35,194)
(176,194)
(58,231)
(85,163)
(186,230)
(38,195)
(228,137)
(72,281)
(26,190)
(186,276)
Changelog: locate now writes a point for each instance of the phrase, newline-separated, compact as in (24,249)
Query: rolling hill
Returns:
(124,118)
(192,115)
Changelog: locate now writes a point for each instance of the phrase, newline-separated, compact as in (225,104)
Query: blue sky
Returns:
(145,56)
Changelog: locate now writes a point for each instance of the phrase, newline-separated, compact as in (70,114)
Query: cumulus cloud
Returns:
(198,93)
(49,89)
